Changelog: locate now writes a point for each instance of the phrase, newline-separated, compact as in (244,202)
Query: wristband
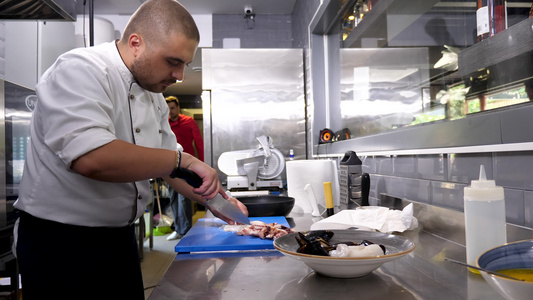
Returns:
(177,165)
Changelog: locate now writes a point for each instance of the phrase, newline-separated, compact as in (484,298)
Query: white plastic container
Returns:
(484,208)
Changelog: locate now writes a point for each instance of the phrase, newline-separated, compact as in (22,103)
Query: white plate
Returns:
(347,267)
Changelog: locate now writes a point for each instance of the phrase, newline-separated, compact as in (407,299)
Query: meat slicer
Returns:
(253,169)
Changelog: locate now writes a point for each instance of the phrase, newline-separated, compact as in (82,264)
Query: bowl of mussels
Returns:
(343,253)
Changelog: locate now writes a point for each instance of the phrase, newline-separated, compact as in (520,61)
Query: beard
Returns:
(140,69)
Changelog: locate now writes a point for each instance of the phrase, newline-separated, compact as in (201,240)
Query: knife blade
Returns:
(218,203)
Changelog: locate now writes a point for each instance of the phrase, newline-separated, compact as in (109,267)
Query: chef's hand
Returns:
(233,201)
(210,184)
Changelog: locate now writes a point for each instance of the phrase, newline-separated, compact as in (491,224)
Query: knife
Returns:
(218,203)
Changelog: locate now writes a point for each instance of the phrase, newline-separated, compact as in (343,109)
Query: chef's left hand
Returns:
(239,205)
(233,201)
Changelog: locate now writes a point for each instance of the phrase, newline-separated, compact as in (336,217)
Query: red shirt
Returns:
(187,131)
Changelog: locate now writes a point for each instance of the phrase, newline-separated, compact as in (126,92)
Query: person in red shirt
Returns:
(185,129)
(189,137)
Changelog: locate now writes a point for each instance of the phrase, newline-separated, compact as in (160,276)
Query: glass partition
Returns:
(377,90)
(404,63)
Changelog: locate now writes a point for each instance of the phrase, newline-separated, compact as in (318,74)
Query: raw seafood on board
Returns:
(264,230)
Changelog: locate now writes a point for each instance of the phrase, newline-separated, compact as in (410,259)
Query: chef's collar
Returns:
(119,63)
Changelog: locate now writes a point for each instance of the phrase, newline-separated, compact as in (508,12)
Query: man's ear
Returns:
(136,43)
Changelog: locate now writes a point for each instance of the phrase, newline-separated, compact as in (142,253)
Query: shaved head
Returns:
(157,20)
(159,41)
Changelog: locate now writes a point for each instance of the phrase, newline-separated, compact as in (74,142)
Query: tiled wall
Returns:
(440,179)
(303,13)
(270,31)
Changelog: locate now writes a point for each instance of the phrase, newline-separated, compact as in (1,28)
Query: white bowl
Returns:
(508,256)
(347,267)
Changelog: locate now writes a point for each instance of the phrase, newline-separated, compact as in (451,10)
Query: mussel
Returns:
(326,235)
(315,242)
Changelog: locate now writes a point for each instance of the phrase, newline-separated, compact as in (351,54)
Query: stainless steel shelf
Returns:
(374,23)
(506,45)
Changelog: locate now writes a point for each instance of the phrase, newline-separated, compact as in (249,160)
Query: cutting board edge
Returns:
(255,243)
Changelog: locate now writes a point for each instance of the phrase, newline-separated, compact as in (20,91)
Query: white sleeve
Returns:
(76,120)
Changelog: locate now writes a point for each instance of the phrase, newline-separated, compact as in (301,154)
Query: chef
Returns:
(99,132)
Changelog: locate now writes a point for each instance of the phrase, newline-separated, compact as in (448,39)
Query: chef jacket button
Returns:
(160,131)
(137,130)
(139,197)
(132,96)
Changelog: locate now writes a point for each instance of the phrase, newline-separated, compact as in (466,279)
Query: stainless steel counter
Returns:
(423,274)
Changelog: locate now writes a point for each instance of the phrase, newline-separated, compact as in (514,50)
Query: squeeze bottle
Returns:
(484,208)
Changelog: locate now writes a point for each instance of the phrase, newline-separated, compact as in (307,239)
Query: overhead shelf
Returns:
(502,56)
(499,62)
(374,23)
(508,44)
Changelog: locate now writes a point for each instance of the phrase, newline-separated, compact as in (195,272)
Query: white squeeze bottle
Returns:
(484,217)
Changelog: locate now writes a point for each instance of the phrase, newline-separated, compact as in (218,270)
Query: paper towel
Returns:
(378,218)
(313,172)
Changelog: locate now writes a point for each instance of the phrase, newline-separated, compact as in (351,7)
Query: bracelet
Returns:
(178,159)
(176,172)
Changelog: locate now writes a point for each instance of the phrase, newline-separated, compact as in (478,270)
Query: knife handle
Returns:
(365,189)
(189,176)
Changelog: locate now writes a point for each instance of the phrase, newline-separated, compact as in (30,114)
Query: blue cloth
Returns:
(182,211)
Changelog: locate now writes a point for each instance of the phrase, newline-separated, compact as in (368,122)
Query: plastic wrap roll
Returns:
(313,172)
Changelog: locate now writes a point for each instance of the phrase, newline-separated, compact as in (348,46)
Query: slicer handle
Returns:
(189,176)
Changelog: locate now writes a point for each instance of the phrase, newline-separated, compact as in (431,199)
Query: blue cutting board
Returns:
(207,234)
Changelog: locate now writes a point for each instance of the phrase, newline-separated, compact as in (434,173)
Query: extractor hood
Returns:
(60,10)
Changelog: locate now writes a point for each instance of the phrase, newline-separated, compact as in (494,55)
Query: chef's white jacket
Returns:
(85,100)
